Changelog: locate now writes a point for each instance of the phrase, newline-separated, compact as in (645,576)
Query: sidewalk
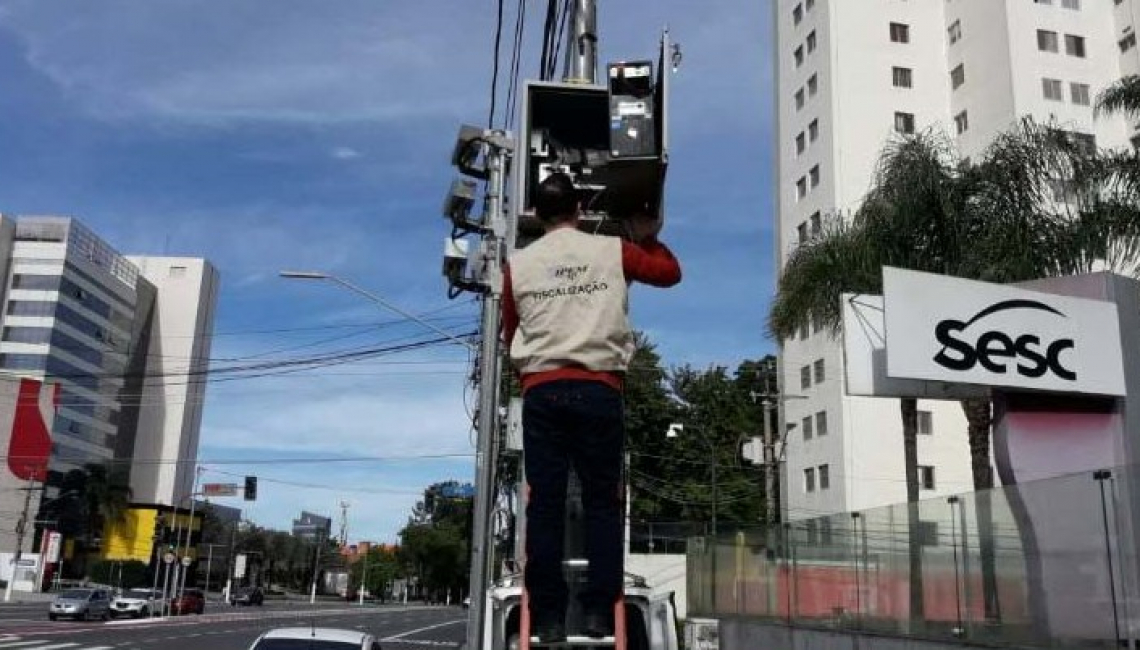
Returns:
(24,597)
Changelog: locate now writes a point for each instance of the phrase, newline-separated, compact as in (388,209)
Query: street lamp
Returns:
(674,431)
(319,275)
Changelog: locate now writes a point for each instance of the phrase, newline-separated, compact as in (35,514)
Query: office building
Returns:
(125,346)
(852,74)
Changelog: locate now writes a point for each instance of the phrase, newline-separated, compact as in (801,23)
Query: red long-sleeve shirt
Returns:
(649,262)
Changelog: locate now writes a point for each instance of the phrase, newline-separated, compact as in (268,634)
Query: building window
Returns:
(958,76)
(961,122)
(799,56)
(797,14)
(805,377)
(817,324)
(1046,40)
(813,130)
(177,271)
(814,176)
(1075,45)
(801,188)
(925,423)
(803,332)
(799,99)
(902,77)
(811,42)
(824,477)
(1043,2)
(809,479)
(809,4)
(900,33)
(813,85)
(1128,42)
(904,122)
(819,374)
(1052,89)
(926,477)
(806,423)
(955,31)
(816,223)
(801,232)
(821,423)
(1071,4)
(1080,93)
(801,143)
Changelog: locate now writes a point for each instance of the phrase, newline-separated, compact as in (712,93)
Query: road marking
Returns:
(423,629)
(16,644)
(53,646)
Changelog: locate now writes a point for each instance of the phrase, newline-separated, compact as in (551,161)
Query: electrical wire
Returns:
(516,60)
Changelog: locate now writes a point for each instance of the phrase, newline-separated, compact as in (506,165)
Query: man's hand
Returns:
(643,226)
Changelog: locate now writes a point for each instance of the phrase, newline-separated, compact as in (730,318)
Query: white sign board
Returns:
(948,329)
(239,566)
(865,357)
(53,545)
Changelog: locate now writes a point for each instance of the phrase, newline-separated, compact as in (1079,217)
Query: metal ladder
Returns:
(574,570)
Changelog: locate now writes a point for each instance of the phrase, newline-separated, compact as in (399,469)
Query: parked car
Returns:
(81,604)
(136,603)
(247,596)
(192,601)
(315,638)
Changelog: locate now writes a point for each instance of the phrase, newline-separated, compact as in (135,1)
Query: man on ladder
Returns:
(565,320)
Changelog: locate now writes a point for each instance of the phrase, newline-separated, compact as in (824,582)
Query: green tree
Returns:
(1122,97)
(377,570)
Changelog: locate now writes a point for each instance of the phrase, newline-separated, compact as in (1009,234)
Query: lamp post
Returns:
(319,275)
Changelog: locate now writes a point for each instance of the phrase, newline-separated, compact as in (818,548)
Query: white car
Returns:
(315,638)
(136,603)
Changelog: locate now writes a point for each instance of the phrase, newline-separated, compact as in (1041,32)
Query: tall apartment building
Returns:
(852,74)
(126,340)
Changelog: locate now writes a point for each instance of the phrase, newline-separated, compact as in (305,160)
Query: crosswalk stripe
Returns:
(54,646)
(17,644)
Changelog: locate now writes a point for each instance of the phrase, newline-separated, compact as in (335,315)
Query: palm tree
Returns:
(1122,97)
(1001,220)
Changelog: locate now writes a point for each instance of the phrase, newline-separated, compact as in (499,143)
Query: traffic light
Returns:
(250,488)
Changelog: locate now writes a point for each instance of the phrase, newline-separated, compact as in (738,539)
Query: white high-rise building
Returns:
(850,75)
(126,340)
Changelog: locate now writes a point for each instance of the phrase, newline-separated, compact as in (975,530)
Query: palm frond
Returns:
(1121,98)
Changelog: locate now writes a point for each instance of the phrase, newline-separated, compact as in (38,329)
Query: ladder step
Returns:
(575,641)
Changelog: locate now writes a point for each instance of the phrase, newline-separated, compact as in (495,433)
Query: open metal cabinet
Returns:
(612,139)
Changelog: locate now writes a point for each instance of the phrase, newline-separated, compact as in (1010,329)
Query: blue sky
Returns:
(311,134)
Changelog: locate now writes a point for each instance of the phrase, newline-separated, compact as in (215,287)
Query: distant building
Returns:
(312,527)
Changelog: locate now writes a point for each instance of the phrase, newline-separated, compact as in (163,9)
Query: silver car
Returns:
(136,603)
(315,638)
(81,604)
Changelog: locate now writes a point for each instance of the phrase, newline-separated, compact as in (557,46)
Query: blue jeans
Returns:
(579,422)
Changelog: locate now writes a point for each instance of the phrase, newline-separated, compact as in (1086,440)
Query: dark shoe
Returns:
(547,632)
(599,625)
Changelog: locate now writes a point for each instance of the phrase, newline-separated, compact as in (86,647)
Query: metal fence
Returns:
(1051,563)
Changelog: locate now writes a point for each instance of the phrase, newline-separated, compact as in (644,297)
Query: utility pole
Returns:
(21,526)
(582,44)
(498,155)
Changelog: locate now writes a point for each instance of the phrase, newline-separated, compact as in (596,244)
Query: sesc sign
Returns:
(947,329)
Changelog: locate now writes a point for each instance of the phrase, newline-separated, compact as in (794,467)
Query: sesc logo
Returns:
(995,350)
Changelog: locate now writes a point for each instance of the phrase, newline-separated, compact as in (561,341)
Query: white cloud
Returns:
(345,153)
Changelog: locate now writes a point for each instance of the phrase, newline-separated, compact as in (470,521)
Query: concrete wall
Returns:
(739,634)
(664,573)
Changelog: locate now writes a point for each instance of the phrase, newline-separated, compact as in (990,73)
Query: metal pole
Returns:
(363,578)
(957,576)
(21,525)
(316,571)
(770,469)
(1100,476)
(582,44)
(209,565)
(186,548)
(489,375)
(855,554)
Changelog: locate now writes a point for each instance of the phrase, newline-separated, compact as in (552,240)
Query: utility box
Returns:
(611,139)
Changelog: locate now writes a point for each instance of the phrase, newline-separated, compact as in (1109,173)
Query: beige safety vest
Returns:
(573,304)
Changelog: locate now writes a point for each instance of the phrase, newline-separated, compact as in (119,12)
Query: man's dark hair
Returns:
(556,200)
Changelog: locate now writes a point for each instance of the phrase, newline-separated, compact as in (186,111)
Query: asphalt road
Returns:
(397,627)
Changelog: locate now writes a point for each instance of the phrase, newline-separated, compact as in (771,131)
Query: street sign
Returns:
(187,561)
(53,544)
(219,489)
(168,558)
(239,566)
